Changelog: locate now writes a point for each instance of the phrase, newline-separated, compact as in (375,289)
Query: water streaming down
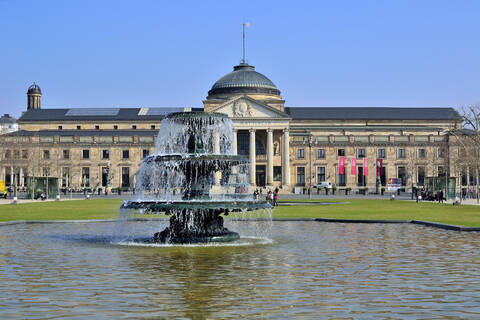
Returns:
(194,177)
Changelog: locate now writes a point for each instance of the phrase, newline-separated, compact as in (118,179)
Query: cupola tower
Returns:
(34,96)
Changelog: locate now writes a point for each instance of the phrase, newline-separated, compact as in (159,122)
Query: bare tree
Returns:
(468,139)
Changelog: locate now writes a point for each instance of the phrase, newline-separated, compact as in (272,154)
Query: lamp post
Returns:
(109,164)
(310,142)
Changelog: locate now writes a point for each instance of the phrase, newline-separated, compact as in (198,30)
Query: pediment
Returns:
(246,107)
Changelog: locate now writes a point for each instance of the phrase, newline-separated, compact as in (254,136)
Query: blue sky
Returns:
(169,53)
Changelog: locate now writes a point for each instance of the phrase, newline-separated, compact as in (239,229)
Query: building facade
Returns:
(8,124)
(288,147)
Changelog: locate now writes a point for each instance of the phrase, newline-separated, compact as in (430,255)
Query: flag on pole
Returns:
(379,166)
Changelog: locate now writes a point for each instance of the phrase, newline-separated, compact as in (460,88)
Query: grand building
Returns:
(287,147)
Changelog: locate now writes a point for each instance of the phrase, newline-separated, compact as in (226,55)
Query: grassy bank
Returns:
(355,209)
(366,209)
(63,210)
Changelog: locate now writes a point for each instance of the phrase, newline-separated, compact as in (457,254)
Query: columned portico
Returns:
(286,157)
(252,155)
(269,157)
(262,144)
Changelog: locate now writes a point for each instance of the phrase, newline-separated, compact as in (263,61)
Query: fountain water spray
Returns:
(195,177)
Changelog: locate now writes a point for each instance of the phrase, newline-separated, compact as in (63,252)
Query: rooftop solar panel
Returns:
(93,112)
(143,111)
(162,111)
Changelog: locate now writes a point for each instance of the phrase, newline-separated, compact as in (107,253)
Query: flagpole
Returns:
(243,25)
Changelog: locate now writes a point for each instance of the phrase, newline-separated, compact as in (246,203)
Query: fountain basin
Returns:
(159,206)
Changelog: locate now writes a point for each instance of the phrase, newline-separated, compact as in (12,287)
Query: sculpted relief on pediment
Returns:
(242,108)
(245,108)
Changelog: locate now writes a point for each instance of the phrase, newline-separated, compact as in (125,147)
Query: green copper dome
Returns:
(244,79)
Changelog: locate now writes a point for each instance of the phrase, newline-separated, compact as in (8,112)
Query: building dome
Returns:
(243,79)
(34,89)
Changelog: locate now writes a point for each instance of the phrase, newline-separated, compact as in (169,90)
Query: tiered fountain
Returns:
(194,177)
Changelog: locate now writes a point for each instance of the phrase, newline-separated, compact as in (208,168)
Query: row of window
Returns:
(115,127)
(362,180)
(105,154)
(85,178)
(361,153)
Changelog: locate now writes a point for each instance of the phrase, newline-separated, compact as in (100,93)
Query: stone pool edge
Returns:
(417,222)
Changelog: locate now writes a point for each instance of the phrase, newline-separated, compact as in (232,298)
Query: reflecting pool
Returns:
(297,270)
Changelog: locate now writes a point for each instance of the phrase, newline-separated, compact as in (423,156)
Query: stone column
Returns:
(4,173)
(286,157)
(218,174)
(12,176)
(234,142)
(253,165)
(20,183)
(235,152)
(269,157)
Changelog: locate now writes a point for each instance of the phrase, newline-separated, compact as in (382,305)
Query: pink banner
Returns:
(353,165)
(365,166)
(341,165)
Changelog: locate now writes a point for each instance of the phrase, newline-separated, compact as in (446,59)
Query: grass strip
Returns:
(355,209)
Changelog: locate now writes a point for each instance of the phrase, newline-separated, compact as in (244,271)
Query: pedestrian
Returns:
(271,198)
(275,199)
(440,196)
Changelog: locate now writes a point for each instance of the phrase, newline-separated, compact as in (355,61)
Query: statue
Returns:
(276,148)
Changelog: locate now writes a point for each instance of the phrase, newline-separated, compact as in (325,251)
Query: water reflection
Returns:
(320,270)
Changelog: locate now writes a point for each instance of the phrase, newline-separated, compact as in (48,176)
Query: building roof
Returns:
(7,119)
(371,113)
(243,79)
(89,133)
(297,113)
(101,114)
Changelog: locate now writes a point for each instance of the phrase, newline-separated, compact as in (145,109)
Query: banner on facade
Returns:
(353,165)
(365,166)
(394,184)
(379,166)
(341,165)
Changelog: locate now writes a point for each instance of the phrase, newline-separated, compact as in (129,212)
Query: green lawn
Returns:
(356,209)
(63,210)
(464,215)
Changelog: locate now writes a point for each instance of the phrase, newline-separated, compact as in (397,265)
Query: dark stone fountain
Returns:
(194,177)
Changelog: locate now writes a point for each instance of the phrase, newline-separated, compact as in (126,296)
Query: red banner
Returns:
(365,166)
(353,165)
(341,165)
(379,166)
